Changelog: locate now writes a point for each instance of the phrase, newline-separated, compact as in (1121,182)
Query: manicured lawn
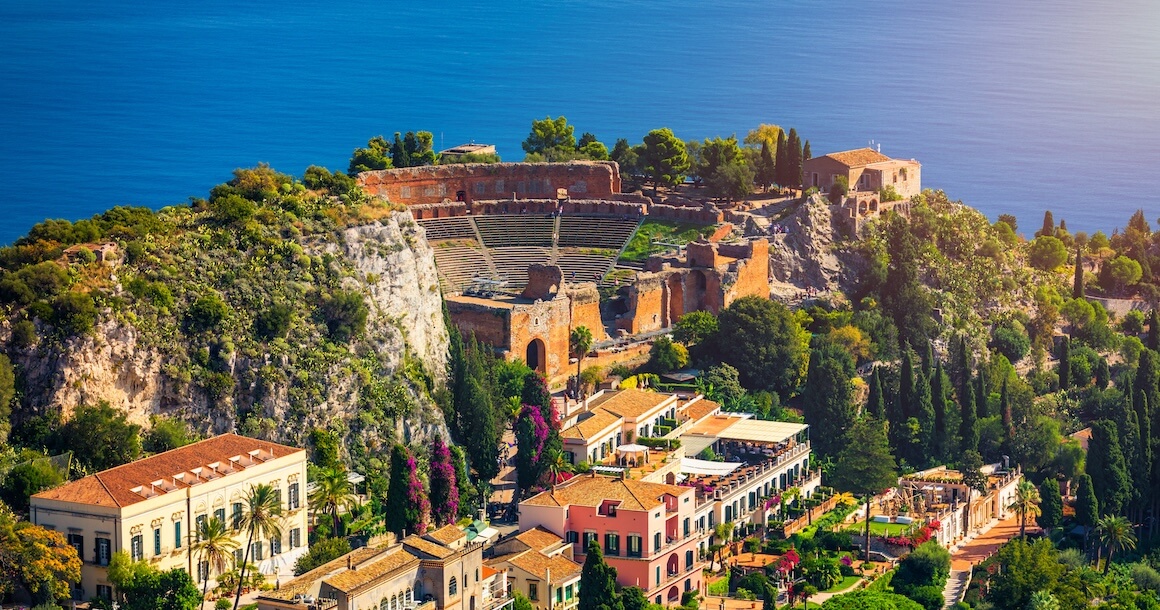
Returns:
(639,248)
(845,583)
(879,529)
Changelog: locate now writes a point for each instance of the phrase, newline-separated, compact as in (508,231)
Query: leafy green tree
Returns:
(868,599)
(1123,272)
(374,156)
(1050,504)
(215,547)
(1115,533)
(140,586)
(1064,357)
(1025,568)
(550,137)
(598,582)
(29,478)
(1106,467)
(105,434)
(902,295)
(419,146)
(7,395)
(321,552)
(765,342)
(865,466)
(731,182)
(39,560)
(929,564)
(663,158)
(580,343)
(273,321)
(828,397)
(521,602)
(261,517)
(1010,339)
(592,148)
(695,327)
(333,493)
(206,313)
(633,598)
(345,314)
(628,160)
(167,433)
(1047,253)
(399,156)
(666,356)
(722,383)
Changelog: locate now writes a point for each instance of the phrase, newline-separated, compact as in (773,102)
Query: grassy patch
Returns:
(719,587)
(879,529)
(641,246)
(844,584)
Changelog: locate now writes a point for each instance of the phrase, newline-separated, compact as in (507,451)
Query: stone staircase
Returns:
(956,587)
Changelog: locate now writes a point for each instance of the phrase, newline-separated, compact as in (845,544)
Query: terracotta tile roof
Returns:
(487,572)
(309,581)
(599,421)
(592,490)
(447,534)
(114,487)
(633,403)
(858,157)
(426,546)
(369,571)
(538,538)
(701,409)
(537,564)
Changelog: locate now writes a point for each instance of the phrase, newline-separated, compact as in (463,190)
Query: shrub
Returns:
(930,596)
(321,552)
(1145,577)
(222,604)
(74,313)
(23,334)
(206,313)
(1047,253)
(273,322)
(345,315)
(1010,339)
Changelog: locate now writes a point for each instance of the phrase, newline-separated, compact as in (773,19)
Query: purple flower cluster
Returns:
(444,488)
(417,496)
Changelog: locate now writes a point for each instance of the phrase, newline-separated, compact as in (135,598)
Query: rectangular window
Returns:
(568,593)
(137,548)
(77,542)
(688,527)
(533,591)
(559,595)
(238,557)
(256,551)
(657,541)
(220,515)
(278,495)
(634,545)
(292,496)
(275,546)
(572,537)
(177,534)
(202,571)
(235,515)
(104,551)
(588,537)
(197,525)
(612,544)
(105,592)
(658,576)
(156,541)
(295,538)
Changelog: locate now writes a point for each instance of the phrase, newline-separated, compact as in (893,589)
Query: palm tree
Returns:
(263,517)
(557,466)
(580,342)
(215,546)
(333,491)
(1116,533)
(1026,502)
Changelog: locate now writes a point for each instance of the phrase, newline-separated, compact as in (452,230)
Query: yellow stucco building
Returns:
(150,507)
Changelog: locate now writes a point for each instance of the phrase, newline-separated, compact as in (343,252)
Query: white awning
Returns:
(696,444)
(631,448)
(695,466)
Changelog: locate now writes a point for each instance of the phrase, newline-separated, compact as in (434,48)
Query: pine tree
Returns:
(1064,357)
(597,582)
(1048,224)
(865,466)
(1105,464)
(444,487)
(1050,504)
(1077,283)
(981,395)
(1087,507)
(938,402)
(876,404)
(828,397)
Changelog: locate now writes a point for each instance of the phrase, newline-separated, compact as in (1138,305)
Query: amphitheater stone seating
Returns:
(585,265)
(458,227)
(458,265)
(596,231)
(511,263)
(519,230)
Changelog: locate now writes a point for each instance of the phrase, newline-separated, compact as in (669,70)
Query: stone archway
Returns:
(674,594)
(536,356)
(676,298)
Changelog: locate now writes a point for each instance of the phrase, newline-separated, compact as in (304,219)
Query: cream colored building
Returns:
(539,565)
(150,508)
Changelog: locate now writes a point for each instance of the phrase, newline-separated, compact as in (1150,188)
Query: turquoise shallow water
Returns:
(1012,106)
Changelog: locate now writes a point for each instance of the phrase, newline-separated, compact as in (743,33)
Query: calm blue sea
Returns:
(1011,105)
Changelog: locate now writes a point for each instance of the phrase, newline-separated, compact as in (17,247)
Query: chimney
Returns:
(349,564)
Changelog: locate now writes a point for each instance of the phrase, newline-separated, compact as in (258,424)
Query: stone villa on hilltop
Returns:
(867,172)
(151,507)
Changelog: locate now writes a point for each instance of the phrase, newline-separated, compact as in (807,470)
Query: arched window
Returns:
(453,587)
(384,605)
(410,596)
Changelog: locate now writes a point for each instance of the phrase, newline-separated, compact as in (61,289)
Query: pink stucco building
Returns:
(646,530)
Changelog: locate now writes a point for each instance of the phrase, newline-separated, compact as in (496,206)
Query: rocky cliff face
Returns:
(281,388)
(808,253)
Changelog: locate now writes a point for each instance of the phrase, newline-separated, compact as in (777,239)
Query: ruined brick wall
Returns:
(591,207)
(446,209)
(707,215)
(548,322)
(489,324)
(646,304)
(585,304)
(470,181)
(749,276)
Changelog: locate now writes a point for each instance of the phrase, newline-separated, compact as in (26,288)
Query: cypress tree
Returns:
(1048,224)
(1050,504)
(901,407)
(1105,465)
(1005,413)
(766,169)
(938,402)
(876,404)
(968,420)
(781,163)
(1064,357)
(807,154)
(828,397)
(981,395)
(927,359)
(1077,284)
(924,413)
(795,158)
(1128,429)
(1087,508)
(399,157)
(1147,380)
(1153,330)
(1142,474)
(1102,373)
(597,582)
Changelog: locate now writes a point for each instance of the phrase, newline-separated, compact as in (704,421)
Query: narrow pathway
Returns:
(984,545)
(956,587)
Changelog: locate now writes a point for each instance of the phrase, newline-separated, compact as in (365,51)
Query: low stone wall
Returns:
(707,215)
(469,181)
